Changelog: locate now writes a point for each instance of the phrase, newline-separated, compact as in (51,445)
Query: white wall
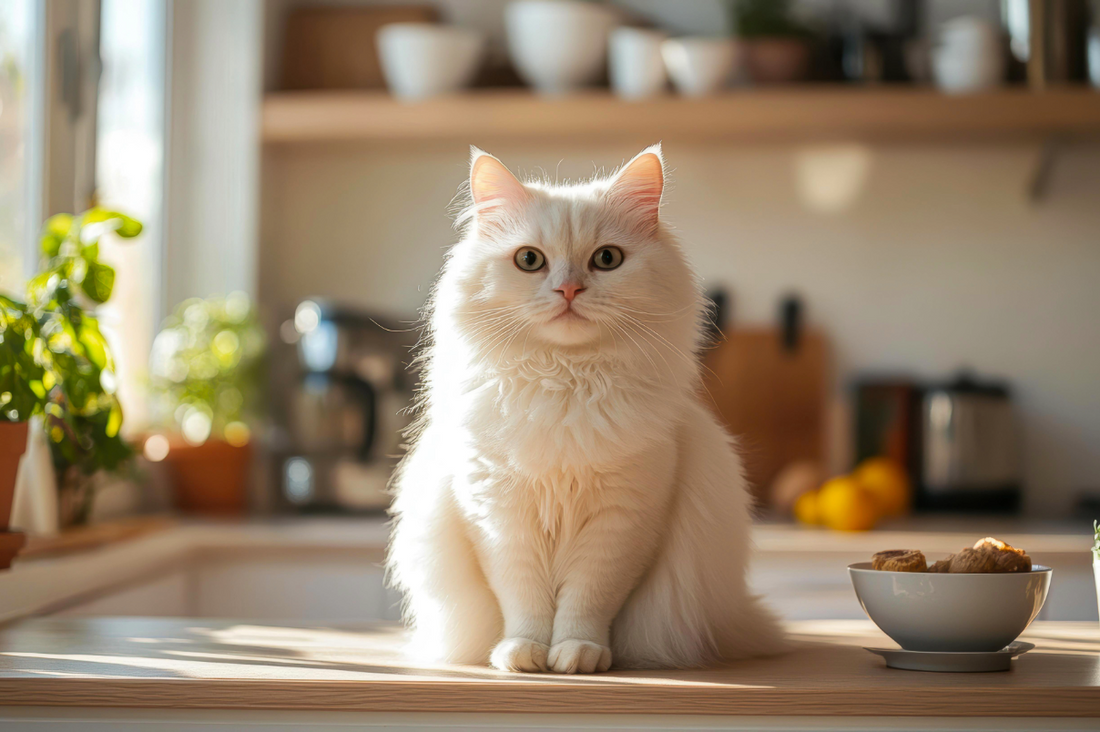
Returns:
(939,261)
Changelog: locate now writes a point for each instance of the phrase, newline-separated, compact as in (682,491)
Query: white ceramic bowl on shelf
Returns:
(635,65)
(700,66)
(421,60)
(558,46)
(923,611)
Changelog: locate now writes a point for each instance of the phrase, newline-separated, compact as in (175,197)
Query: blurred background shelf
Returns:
(794,114)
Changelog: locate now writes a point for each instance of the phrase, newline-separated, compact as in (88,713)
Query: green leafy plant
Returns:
(54,360)
(22,391)
(207,368)
(764,19)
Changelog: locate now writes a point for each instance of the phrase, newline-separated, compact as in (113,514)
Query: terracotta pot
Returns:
(211,478)
(13,443)
(777,60)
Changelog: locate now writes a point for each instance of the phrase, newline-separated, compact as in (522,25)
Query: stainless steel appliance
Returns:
(958,440)
(970,451)
(347,409)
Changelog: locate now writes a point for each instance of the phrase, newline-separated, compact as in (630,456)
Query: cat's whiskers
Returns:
(500,336)
(672,347)
(642,335)
(504,350)
(490,328)
(637,345)
(619,299)
(653,317)
(492,323)
(694,361)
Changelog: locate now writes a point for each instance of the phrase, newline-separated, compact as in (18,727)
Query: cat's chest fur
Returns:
(554,417)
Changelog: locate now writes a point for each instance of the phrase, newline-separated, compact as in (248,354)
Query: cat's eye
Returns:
(607,258)
(530,259)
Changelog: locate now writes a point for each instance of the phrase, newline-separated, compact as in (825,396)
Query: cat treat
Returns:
(986,556)
(899,560)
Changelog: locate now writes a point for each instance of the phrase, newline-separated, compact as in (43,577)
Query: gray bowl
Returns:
(951,612)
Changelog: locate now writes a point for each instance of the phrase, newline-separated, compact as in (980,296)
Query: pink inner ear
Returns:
(492,185)
(637,189)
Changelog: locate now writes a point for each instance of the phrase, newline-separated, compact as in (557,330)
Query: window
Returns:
(19,31)
(82,121)
(129,177)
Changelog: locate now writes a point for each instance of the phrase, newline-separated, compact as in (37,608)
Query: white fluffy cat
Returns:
(570,503)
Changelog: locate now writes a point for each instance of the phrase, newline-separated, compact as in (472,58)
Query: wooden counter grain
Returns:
(220,664)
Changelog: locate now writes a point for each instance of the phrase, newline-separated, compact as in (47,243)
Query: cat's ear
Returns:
(492,186)
(636,189)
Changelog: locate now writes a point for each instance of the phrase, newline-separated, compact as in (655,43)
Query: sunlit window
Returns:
(16,49)
(129,177)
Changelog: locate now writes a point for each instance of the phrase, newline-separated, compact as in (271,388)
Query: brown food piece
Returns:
(973,561)
(988,556)
(1006,558)
(899,560)
(943,566)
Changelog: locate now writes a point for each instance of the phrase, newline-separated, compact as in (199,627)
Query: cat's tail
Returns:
(693,608)
(757,632)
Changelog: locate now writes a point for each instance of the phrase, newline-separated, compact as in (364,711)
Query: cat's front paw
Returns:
(579,657)
(520,654)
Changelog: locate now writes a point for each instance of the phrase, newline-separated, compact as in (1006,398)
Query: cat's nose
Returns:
(569,291)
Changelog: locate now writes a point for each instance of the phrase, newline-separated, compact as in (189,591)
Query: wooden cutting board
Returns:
(773,399)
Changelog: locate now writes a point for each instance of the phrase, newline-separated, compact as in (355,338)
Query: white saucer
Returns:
(953,662)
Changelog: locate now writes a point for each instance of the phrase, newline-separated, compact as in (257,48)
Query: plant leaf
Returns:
(95,345)
(54,231)
(122,224)
(98,282)
(114,421)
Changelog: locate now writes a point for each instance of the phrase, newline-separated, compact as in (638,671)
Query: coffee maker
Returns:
(347,409)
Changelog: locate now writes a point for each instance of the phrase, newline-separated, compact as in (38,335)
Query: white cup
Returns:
(969,57)
(635,64)
(700,66)
(421,60)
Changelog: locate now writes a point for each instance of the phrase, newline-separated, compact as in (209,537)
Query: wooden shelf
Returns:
(779,115)
(83,538)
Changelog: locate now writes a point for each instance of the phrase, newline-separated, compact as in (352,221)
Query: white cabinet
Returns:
(323,588)
(334,583)
(166,596)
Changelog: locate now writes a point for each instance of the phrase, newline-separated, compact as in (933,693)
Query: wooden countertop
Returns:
(222,664)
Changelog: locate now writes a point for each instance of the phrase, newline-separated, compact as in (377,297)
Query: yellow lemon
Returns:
(806,510)
(844,505)
(887,481)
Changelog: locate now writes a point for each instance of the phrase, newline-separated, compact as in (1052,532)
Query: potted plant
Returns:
(206,371)
(54,361)
(776,46)
(18,401)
